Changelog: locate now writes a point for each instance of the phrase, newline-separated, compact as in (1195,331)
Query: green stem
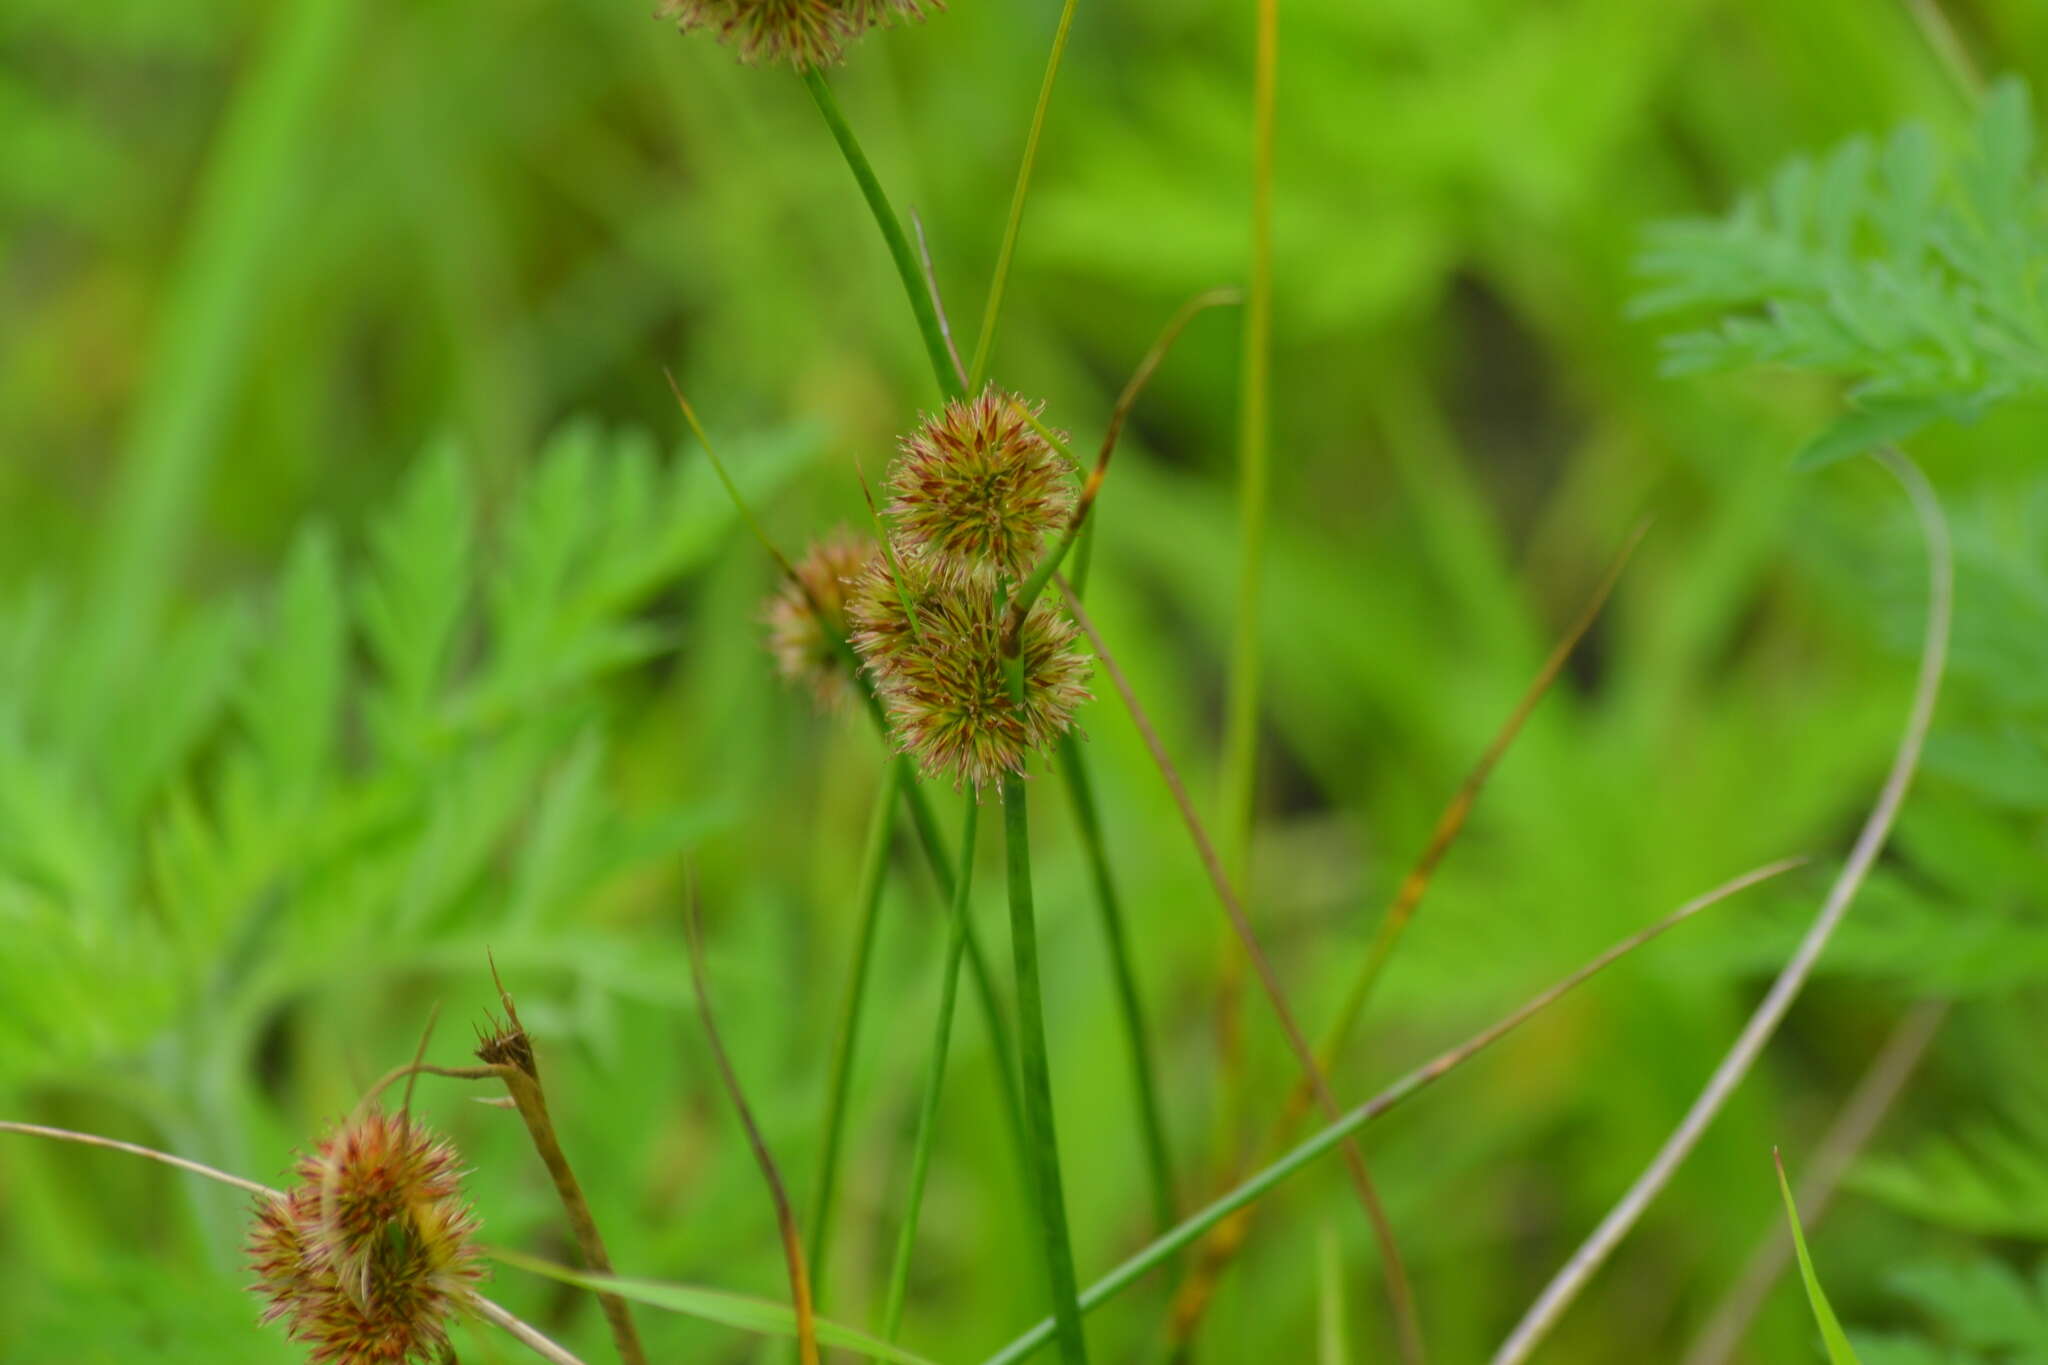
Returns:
(1184,1233)
(1254,440)
(1052,1206)
(993,1019)
(892,233)
(935,1077)
(994,308)
(1242,681)
(874,867)
(1087,819)
(1084,557)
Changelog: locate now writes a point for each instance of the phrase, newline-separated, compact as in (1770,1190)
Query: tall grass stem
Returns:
(1242,682)
(1398,1290)
(1131,1012)
(993,309)
(935,1077)
(1037,1073)
(994,1020)
(892,232)
(873,874)
(1165,1247)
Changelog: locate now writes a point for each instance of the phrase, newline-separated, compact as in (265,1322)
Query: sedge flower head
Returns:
(977,490)
(807,618)
(369,1256)
(799,33)
(934,649)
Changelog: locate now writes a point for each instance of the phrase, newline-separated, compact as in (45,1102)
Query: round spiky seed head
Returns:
(943,680)
(369,1256)
(807,617)
(978,490)
(799,33)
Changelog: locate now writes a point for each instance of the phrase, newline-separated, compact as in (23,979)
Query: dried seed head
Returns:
(943,680)
(802,642)
(977,490)
(369,1256)
(800,33)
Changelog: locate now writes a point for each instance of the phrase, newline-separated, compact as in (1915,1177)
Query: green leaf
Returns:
(1839,1351)
(749,1314)
(1910,274)
(1986,1178)
(1983,1304)
(412,610)
(291,701)
(1864,429)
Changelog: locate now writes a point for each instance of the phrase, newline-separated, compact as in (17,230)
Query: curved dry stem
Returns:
(1396,1271)
(1579,1270)
(1844,1141)
(411,1069)
(507,1051)
(1452,820)
(419,1055)
(1163,1247)
(1041,574)
(1191,1302)
(134,1149)
(785,1217)
(524,1333)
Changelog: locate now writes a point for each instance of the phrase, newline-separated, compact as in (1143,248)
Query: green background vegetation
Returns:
(361,606)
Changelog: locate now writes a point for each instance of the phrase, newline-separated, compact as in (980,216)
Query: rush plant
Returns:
(417,744)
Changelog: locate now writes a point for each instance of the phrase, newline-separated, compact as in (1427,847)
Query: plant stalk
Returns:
(1241,715)
(935,1076)
(993,309)
(1574,1275)
(892,233)
(1247,1191)
(1037,1073)
(509,1053)
(993,1018)
(874,870)
(1152,1128)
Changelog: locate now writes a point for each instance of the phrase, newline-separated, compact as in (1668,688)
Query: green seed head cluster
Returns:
(978,491)
(807,618)
(369,1256)
(798,33)
(935,652)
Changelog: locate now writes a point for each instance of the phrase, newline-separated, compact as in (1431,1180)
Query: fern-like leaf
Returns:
(1913,277)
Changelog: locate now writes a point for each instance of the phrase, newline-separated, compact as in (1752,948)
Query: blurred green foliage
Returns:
(267,793)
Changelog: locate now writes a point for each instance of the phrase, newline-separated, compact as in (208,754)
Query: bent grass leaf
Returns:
(1839,1350)
(764,1317)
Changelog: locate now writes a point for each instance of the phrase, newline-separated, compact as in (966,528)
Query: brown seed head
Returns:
(800,639)
(978,490)
(944,683)
(369,1256)
(798,33)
